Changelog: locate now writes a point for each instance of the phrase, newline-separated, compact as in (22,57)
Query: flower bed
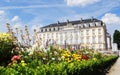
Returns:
(89,67)
(18,60)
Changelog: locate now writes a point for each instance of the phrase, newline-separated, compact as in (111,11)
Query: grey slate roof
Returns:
(72,22)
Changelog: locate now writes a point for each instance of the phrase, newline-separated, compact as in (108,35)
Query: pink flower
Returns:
(15,57)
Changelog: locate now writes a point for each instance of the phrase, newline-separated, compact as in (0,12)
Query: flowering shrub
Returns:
(6,46)
(5,37)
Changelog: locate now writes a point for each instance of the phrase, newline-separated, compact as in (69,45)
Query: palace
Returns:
(90,33)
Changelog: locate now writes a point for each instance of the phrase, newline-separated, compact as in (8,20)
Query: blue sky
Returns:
(37,13)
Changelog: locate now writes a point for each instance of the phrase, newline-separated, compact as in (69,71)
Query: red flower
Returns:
(85,57)
(15,57)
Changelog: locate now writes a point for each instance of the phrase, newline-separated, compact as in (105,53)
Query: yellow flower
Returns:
(94,59)
(23,64)
(69,60)
(63,57)
(22,61)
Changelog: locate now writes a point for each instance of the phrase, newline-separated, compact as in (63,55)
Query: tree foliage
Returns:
(116,38)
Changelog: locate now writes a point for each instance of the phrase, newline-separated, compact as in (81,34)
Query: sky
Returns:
(38,13)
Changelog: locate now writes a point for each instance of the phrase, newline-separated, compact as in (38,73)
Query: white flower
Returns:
(59,59)
(53,58)
(44,58)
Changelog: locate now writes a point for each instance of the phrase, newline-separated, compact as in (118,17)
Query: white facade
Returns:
(81,34)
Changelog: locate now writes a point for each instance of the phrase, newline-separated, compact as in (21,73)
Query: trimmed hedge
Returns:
(89,67)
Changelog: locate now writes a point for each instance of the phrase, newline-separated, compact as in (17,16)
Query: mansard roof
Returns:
(72,22)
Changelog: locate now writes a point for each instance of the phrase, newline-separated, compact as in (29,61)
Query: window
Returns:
(86,25)
(47,35)
(100,47)
(82,33)
(49,29)
(43,35)
(87,40)
(87,32)
(71,37)
(92,24)
(93,39)
(52,35)
(99,39)
(82,40)
(99,31)
(54,29)
(41,30)
(76,38)
(66,35)
(98,23)
(45,29)
(93,31)
(56,35)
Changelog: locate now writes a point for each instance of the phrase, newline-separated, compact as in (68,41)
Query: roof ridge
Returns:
(73,22)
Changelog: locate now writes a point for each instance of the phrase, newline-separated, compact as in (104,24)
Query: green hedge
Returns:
(90,67)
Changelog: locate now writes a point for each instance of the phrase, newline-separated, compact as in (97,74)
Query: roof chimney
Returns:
(58,22)
(92,18)
(68,21)
(81,19)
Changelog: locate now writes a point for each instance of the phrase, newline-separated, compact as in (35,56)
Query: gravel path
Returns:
(115,69)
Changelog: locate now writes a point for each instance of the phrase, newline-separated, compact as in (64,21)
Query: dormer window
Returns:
(98,23)
(86,24)
(54,29)
(45,30)
(41,30)
(49,29)
(58,28)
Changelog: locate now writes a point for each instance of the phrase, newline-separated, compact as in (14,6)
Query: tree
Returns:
(116,38)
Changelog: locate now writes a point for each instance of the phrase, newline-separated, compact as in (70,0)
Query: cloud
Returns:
(111,19)
(31,6)
(15,18)
(15,22)
(2,12)
(80,2)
